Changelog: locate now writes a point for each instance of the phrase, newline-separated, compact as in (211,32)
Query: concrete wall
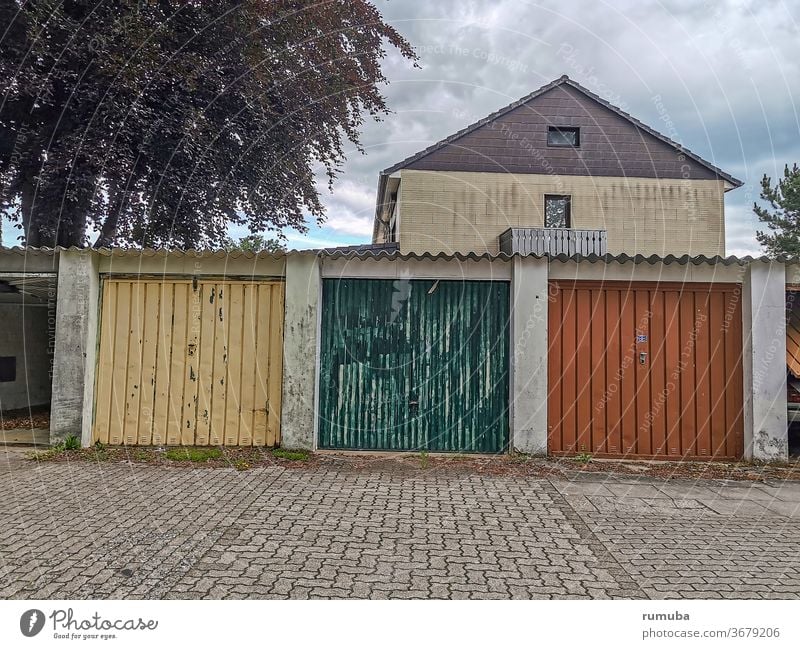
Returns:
(75,346)
(25,334)
(764,362)
(646,272)
(190,264)
(300,352)
(763,338)
(528,411)
(492,269)
(467,211)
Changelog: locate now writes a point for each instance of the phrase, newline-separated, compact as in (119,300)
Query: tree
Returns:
(161,122)
(253,243)
(783,220)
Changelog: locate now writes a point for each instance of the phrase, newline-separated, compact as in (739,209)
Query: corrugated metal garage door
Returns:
(414,365)
(185,363)
(652,370)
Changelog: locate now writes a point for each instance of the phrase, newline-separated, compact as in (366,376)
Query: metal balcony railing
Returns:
(553,241)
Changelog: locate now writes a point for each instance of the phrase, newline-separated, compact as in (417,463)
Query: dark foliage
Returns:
(160,122)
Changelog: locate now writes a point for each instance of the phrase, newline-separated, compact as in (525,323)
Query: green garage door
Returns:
(414,365)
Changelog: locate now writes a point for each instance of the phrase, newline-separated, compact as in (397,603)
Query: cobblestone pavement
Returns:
(85,530)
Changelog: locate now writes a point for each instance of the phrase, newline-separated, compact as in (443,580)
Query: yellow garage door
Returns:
(190,363)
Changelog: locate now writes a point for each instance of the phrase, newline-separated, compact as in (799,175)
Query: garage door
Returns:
(189,363)
(414,365)
(649,370)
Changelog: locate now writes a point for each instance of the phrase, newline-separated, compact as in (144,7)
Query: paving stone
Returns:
(83,530)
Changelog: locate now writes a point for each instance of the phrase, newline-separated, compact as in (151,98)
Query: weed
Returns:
(424,460)
(286,454)
(43,456)
(192,454)
(583,458)
(518,458)
(100,452)
(241,465)
(71,443)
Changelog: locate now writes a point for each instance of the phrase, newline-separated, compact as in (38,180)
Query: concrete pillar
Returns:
(74,360)
(298,411)
(764,362)
(528,415)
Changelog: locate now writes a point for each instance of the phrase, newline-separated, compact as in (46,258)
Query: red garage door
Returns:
(645,370)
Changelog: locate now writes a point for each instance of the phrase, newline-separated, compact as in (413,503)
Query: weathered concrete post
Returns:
(528,414)
(75,346)
(764,363)
(300,351)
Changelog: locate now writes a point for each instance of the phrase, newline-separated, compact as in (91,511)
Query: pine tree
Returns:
(783,219)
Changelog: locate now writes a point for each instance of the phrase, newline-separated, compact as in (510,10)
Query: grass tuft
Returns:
(287,454)
(43,456)
(71,443)
(192,454)
(515,457)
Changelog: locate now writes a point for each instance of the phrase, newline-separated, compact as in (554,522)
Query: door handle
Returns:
(642,358)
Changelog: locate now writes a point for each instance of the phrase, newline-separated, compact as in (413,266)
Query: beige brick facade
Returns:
(467,211)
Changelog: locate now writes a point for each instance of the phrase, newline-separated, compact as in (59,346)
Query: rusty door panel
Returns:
(183,363)
(645,370)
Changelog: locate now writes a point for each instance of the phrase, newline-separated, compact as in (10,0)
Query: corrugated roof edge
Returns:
(19,250)
(393,255)
(608,258)
(145,252)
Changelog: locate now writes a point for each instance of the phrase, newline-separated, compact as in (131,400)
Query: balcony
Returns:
(553,241)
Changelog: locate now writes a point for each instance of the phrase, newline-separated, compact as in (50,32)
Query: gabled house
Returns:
(560,170)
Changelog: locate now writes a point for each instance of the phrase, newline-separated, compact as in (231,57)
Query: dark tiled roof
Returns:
(484,162)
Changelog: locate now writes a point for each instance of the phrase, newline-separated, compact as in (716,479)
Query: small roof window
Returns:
(563,136)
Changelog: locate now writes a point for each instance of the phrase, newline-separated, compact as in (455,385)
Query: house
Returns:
(560,170)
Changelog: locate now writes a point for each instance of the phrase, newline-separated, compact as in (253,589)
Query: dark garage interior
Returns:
(27,335)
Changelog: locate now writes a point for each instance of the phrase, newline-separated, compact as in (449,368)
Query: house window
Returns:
(557,212)
(563,136)
(8,369)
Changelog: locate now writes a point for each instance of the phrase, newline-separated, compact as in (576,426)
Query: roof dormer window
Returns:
(563,136)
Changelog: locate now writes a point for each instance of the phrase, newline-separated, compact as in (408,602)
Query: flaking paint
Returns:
(414,365)
(165,335)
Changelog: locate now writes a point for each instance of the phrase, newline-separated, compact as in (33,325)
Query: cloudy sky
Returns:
(726,74)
